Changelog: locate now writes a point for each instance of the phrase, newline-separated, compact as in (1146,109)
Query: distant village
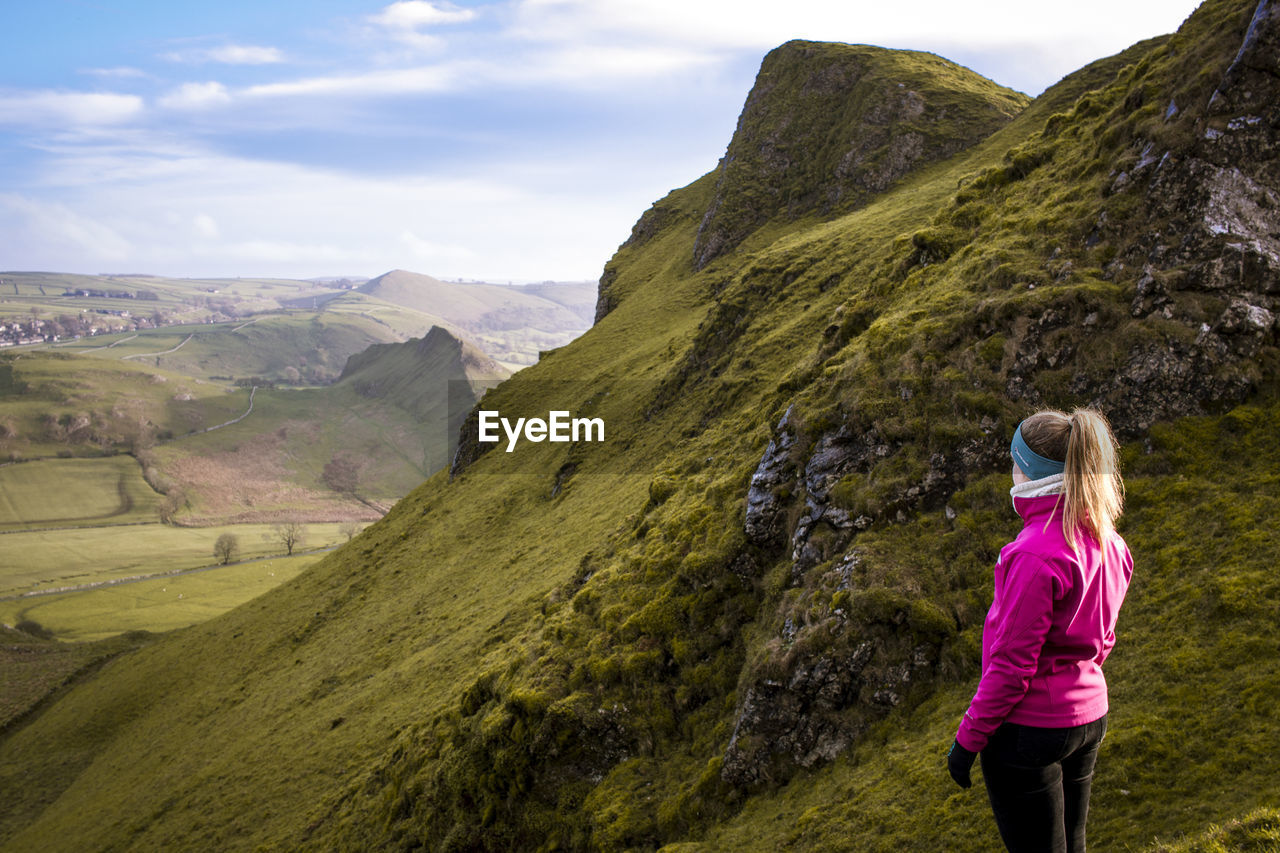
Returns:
(72,326)
(95,321)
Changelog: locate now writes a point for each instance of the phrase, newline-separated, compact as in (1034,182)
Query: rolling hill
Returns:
(305,326)
(511,323)
(750,618)
(388,423)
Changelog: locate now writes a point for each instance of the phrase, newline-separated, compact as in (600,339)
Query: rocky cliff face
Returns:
(828,126)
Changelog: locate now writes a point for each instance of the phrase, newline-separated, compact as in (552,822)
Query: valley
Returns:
(129,451)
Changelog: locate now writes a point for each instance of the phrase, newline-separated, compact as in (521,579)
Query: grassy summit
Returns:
(611,647)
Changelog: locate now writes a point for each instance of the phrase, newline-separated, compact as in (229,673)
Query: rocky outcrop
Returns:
(843,658)
(1208,241)
(769,490)
(827,126)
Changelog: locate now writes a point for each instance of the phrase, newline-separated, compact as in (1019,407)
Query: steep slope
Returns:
(750,619)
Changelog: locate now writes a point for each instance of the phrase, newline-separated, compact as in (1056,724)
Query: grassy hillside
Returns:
(121,301)
(199,442)
(395,373)
(295,348)
(390,422)
(54,402)
(512,324)
(68,557)
(750,619)
(280,326)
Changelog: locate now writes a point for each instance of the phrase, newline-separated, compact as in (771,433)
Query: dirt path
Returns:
(247,412)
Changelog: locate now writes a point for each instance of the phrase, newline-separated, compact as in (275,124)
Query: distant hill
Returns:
(482,307)
(511,323)
(578,296)
(418,375)
(390,421)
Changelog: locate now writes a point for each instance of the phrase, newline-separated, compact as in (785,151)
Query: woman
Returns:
(1040,710)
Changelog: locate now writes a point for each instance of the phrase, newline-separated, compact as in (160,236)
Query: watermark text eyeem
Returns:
(558,426)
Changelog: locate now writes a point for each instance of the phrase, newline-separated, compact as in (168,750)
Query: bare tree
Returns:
(226,548)
(350,529)
(290,534)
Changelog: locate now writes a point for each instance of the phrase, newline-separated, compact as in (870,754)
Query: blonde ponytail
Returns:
(1093,491)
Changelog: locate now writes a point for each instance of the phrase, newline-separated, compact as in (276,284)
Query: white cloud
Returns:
(406,21)
(1064,36)
(229,54)
(59,230)
(120,72)
(569,66)
(438,78)
(411,14)
(592,66)
(763,23)
(67,109)
(196,96)
(206,226)
(433,252)
(198,212)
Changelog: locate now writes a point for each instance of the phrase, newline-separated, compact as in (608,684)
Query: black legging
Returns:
(1038,780)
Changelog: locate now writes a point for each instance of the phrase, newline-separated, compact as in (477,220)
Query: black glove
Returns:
(959,762)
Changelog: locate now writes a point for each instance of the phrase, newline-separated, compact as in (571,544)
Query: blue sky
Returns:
(504,140)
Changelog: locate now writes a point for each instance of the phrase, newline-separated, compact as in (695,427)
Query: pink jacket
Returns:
(1050,627)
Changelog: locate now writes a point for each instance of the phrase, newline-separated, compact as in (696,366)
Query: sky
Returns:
(508,140)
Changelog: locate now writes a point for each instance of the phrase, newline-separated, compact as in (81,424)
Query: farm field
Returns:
(65,492)
(155,604)
(296,347)
(41,294)
(49,559)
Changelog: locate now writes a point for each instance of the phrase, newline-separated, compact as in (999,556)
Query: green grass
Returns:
(545,654)
(296,347)
(35,668)
(66,492)
(273,460)
(1196,653)
(24,294)
(160,604)
(54,402)
(51,559)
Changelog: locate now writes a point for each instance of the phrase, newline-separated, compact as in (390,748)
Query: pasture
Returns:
(155,604)
(33,560)
(80,492)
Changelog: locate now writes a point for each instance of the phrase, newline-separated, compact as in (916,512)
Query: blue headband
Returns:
(1034,465)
